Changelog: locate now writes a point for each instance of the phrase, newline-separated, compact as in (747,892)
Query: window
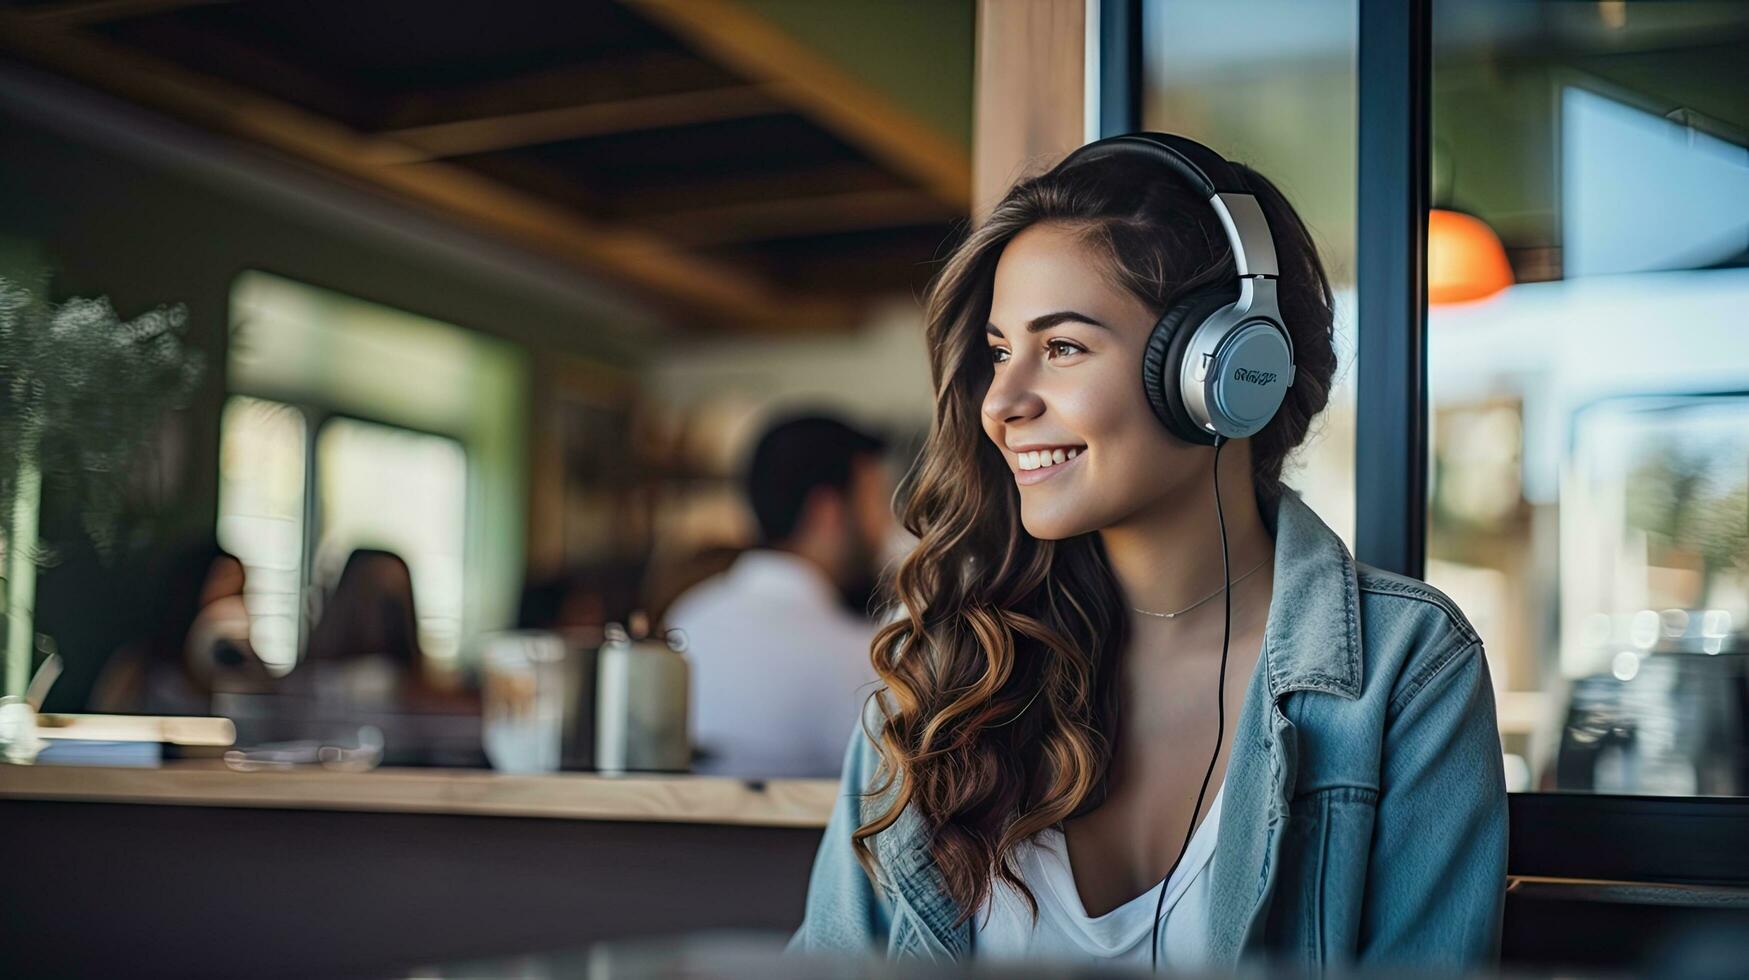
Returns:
(261,519)
(405,492)
(1275,90)
(356,425)
(1589,505)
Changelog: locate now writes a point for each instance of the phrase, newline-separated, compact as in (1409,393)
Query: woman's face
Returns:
(1066,350)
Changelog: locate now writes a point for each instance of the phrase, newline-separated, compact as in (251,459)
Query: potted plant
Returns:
(81,391)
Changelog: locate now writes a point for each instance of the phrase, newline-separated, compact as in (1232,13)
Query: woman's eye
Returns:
(998,354)
(1063,348)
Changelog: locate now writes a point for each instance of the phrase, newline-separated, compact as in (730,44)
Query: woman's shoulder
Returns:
(1412,597)
(1410,631)
(862,756)
(1423,685)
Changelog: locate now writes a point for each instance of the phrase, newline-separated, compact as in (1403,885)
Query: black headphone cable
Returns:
(1221,715)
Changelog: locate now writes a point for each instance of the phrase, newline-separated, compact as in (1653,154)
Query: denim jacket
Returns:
(1365,815)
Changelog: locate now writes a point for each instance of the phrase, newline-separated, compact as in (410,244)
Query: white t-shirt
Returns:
(1004,928)
(779,668)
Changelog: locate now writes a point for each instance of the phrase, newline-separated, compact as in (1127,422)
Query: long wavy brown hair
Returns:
(1000,662)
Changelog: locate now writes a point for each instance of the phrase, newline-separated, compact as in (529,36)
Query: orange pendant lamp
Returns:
(1465,260)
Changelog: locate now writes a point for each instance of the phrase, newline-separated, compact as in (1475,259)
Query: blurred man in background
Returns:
(779,642)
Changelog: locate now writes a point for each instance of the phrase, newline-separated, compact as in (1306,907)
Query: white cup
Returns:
(19,743)
(522,721)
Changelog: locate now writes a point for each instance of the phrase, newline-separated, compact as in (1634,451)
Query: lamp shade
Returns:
(1465,260)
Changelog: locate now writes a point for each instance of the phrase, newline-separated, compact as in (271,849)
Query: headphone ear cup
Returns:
(1165,351)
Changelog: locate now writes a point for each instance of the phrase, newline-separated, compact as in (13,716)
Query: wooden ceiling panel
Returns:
(719,190)
(851,263)
(686,147)
(388,54)
(646,160)
(790,217)
(616,77)
(402,44)
(289,76)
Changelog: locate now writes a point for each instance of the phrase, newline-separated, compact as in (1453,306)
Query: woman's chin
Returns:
(1053,527)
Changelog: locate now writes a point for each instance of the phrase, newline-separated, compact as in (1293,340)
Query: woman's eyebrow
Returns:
(1050,320)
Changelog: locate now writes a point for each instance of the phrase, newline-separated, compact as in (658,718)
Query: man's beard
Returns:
(859,580)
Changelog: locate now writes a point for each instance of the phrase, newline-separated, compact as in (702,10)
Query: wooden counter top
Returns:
(576,796)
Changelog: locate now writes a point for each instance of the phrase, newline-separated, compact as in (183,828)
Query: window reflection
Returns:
(357,426)
(261,519)
(1590,432)
(404,492)
(1275,90)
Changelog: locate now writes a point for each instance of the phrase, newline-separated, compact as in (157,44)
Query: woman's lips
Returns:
(1027,478)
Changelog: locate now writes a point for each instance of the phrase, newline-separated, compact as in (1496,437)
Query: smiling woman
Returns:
(1022,785)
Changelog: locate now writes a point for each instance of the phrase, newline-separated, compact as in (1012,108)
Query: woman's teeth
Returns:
(1046,457)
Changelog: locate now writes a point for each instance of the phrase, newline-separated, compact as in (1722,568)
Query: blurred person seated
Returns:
(365,652)
(197,643)
(671,580)
(779,643)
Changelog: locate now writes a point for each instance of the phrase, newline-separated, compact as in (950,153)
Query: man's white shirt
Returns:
(779,668)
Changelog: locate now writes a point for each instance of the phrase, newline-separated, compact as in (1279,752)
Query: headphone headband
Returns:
(1211,176)
(1219,361)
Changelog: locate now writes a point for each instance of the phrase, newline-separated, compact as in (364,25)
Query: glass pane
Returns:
(401,491)
(261,519)
(1275,90)
(1588,378)
(338,355)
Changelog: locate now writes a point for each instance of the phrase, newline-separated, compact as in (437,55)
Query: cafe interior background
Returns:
(508,289)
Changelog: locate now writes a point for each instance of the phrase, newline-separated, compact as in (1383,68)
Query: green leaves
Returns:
(82,391)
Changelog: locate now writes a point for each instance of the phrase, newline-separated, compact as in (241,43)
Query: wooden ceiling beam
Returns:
(797,216)
(857,112)
(503,132)
(840,177)
(222,55)
(604,78)
(713,290)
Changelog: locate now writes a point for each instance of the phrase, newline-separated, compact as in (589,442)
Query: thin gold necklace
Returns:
(1211,595)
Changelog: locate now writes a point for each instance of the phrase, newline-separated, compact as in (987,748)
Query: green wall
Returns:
(919,52)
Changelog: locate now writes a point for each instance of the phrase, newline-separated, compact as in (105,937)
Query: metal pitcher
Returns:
(641,703)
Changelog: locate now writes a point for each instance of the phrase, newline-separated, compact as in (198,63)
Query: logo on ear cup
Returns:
(1254,377)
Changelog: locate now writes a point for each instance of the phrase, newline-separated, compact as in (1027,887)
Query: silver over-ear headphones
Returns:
(1218,361)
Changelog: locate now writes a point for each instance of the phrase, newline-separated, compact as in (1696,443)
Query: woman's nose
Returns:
(1012,397)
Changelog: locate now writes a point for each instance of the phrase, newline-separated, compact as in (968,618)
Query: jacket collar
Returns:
(1311,643)
(1312,636)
